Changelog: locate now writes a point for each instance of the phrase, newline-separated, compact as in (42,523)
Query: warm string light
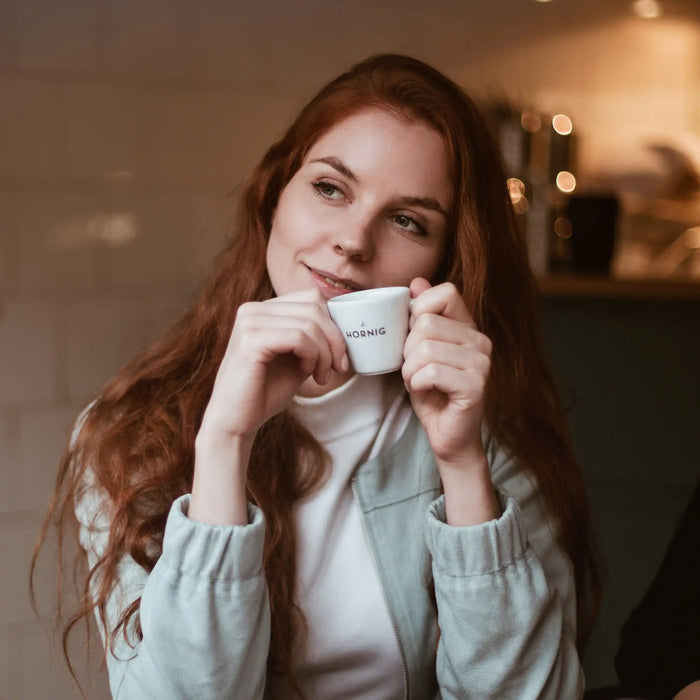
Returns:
(562,227)
(647,9)
(516,190)
(692,238)
(531,122)
(562,124)
(566,182)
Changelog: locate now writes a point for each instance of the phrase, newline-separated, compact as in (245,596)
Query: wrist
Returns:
(220,476)
(471,459)
(213,440)
(470,496)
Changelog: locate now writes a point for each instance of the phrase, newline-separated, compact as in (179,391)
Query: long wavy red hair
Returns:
(137,440)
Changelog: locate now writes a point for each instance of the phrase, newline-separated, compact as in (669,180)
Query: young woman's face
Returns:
(367,208)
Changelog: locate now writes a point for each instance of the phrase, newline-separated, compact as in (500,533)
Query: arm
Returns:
(274,347)
(204,607)
(504,590)
(506,600)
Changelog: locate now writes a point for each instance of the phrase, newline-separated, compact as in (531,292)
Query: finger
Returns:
(466,387)
(439,353)
(443,300)
(308,303)
(312,301)
(269,343)
(255,335)
(433,327)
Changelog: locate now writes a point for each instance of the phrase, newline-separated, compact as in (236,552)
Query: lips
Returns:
(331,285)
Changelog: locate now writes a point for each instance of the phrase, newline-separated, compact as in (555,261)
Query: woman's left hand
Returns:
(447,363)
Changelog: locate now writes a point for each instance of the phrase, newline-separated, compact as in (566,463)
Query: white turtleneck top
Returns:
(352,650)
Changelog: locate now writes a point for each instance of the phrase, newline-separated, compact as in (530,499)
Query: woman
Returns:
(258,520)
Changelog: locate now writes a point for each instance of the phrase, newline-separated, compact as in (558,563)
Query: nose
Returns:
(355,241)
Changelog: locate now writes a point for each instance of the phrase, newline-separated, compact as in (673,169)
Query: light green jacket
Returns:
(504,593)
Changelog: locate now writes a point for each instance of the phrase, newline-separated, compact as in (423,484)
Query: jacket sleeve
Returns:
(506,600)
(204,609)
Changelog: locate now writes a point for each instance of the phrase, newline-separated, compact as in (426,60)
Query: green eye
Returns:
(327,190)
(410,224)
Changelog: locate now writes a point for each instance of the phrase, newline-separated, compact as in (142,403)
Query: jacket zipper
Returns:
(374,558)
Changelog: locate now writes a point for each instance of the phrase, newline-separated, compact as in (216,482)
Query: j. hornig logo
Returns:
(365,332)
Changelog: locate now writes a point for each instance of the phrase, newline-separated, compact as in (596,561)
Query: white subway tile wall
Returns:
(29,141)
(9,248)
(56,36)
(158,44)
(51,682)
(28,348)
(55,253)
(5,667)
(42,435)
(123,126)
(16,544)
(9,441)
(102,130)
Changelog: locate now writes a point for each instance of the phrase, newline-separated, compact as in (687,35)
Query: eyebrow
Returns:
(424,202)
(338,165)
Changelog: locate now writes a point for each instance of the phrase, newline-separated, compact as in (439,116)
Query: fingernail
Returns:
(345,364)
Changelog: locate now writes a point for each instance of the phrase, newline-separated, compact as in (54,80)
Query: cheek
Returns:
(399,267)
(271,253)
(293,224)
(279,244)
(424,264)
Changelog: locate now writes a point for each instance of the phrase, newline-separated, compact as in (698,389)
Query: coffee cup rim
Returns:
(365,294)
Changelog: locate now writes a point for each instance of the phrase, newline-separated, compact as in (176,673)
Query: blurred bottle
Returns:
(539,155)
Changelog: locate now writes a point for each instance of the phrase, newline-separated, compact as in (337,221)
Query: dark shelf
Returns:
(563,286)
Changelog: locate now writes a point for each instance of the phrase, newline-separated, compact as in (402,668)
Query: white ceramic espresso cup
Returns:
(374,323)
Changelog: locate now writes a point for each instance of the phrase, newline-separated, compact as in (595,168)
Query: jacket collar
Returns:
(406,469)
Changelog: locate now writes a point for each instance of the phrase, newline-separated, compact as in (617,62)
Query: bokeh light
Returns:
(562,124)
(566,182)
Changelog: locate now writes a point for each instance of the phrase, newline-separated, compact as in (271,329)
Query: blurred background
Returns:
(125,124)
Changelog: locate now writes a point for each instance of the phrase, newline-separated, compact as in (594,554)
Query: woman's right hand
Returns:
(274,347)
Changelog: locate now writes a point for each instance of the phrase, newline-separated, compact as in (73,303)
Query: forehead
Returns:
(375,142)
(371,121)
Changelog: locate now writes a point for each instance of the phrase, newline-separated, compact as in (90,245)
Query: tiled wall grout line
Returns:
(206,84)
(105,184)
(62,360)
(21,519)
(8,34)
(16,663)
